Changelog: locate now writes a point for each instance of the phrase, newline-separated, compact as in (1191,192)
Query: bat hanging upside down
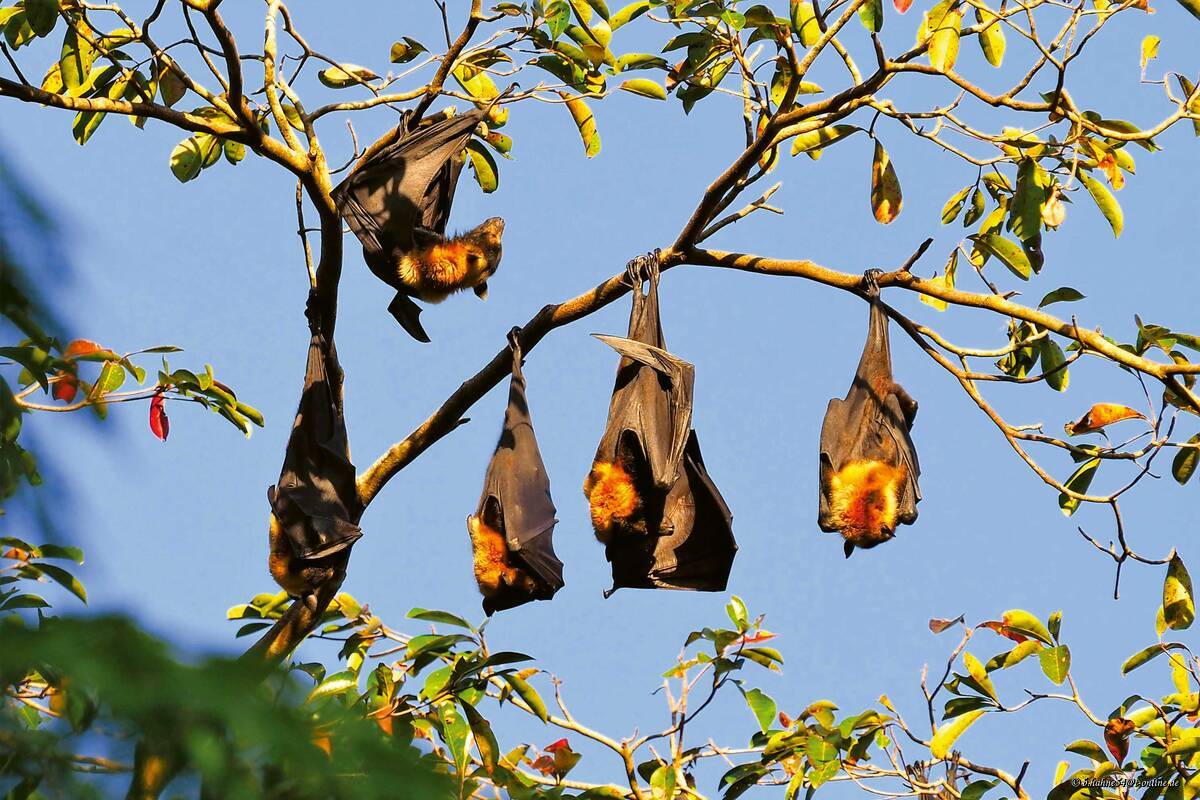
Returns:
(494,570)
(868,464)
(440,266)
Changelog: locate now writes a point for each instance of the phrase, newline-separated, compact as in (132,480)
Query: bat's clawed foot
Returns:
(643,268)
(871,282)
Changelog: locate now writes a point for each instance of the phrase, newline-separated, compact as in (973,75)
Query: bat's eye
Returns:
(473,259)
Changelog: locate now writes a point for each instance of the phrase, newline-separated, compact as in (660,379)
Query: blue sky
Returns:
(175,532)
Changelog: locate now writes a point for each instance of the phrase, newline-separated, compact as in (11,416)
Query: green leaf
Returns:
(979,674)
(61,551)
(63,578)
(1056,663)
(1179,610)
(954,205)
(1015,656)
(1087,749)
(338,683)
(41,15)
(1064,294)
(821,138)
(629,13)
(558,16)
(483,166)
(406,50)
(947,735)
(804,22)
(187,160)
(645,87)
(976,789)
(1026,624)
(763,706)
(1186,460)
(23,601)
(1007,251)
(443,617)
(529,695)
(1025,218)
(976,210)
(635,61)
(662,783)
(1054,364)
(234,151)
(485,740)
(75,61)
(870,14)
(1142,656)
(1105,201)
(1079,482)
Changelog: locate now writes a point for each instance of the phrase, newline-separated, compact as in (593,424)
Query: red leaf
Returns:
(65,388)
(1116,736)
(784,719)
(81,347)
(559,745)
(752,639)
(902,5)
(160,426)
(1003,630)
(544,765)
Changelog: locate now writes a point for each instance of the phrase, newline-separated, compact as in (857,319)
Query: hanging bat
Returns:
(512,528)
(868,465)
(315,506)
(398,202)
(662,520)
(649,417)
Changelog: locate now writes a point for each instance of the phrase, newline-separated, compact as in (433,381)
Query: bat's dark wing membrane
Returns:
(407,186)
(316,498)
(695,548)
(516,481)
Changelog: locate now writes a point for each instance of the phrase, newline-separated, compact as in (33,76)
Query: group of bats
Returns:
(653,505)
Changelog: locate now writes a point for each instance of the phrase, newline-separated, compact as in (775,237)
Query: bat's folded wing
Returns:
(316,499)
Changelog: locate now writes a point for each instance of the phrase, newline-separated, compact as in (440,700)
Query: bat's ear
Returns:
(481,291)
(847,548)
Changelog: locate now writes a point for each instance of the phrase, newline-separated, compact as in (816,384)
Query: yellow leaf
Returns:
(1100,415)
(1149,50)
(586,122)
(947,735)
(886,198)
(943,40)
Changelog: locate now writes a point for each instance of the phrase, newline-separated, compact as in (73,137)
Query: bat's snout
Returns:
(481,291)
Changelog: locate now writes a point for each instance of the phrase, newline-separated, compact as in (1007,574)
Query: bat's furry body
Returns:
(439,267)
(612,492)
(864,499)
(493,569)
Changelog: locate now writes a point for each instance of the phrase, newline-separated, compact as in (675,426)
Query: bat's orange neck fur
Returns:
(493,570)
(612,495)
(439,271)
(864,497)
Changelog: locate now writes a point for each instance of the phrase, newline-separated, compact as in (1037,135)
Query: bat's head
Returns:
(486,251)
